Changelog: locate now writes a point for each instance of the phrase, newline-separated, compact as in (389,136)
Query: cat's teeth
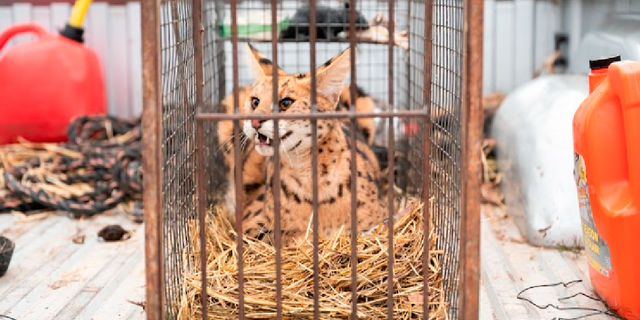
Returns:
(268,141)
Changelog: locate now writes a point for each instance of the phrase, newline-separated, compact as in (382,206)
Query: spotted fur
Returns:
(253,170)
(364,104)
(334,156)
(253,164)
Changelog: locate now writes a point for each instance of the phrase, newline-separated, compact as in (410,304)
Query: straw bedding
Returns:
(297,274)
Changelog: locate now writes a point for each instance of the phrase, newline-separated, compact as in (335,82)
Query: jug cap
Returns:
(603,62)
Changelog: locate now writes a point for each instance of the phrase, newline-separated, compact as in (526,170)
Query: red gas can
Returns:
(45,84)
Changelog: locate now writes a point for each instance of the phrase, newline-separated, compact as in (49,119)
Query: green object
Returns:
(251,29)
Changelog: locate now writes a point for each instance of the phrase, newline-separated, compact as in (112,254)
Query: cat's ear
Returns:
(332,74)
(259,64)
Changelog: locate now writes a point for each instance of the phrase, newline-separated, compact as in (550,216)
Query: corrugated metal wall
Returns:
(113,31)
(520,34)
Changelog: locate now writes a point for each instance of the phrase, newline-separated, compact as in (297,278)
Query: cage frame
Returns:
(469,267)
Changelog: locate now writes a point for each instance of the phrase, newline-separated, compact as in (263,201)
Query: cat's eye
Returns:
(285,103)
(255,102)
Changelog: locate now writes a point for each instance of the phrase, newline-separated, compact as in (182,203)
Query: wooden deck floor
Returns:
(510,265)
(51,277)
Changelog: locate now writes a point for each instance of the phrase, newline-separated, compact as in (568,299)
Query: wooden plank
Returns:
(130,288)
(510,264)
(498,280)
(138,314)
(134,37)
(103,285)
(493,303)
(49,296)
(486,312)
(39,244)
(28,235)
(505,46)
(9,223)
(118,65)
(6,222)
(57,275)
(27,284)
(555,272)
(558,269)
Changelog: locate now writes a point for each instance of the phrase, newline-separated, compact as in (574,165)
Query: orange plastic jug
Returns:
(606,134)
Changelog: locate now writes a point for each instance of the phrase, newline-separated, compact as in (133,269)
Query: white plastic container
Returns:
(533,130)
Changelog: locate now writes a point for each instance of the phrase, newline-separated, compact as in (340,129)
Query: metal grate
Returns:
(446,137)
(178,139)
(446,125)
(214,61)
(418,90)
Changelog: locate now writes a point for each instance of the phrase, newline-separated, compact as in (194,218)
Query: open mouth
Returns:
(264,140)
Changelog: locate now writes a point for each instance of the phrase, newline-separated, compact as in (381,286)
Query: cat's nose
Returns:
(256,124)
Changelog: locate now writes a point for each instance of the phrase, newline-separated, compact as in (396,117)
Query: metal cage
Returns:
(191,62)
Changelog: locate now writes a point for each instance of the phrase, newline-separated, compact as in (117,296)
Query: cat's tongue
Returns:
(264,141)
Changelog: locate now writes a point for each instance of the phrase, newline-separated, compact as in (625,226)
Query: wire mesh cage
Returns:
(411,99)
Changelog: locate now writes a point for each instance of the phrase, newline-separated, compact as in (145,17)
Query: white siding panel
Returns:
(117,57)
(59,15)
(622,5)
(97,37)
(489,46)
(21,14)
(6,19)
(42,15)
(547,24)
(524,25)
(574,25)
(134,43)
(505,46)
(520,34)
(634,6)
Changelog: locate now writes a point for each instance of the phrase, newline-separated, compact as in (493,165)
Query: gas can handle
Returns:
(19,28)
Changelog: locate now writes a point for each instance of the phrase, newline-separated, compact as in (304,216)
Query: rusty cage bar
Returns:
(433,87)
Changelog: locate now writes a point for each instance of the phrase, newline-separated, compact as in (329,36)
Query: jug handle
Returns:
(625,77)
(21,28)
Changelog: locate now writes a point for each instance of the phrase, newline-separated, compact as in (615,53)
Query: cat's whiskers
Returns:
(223,144)
(284,147)
(243,142)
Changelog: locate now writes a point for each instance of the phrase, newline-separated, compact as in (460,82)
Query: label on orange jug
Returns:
(598,251)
